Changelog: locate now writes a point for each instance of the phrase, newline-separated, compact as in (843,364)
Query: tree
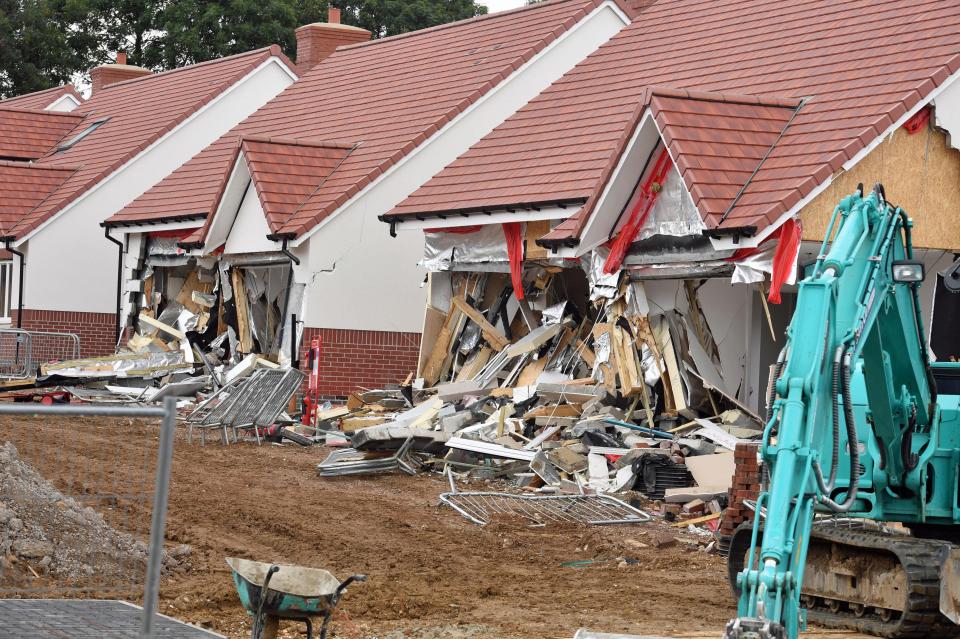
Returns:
(390,17)
(125,25)
(197,30)
(42,44)
(46,42)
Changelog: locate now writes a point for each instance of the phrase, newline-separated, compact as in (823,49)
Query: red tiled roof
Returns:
(41,99)
(140,111)
(285,172)
(719,143)
(561,144)
(390,95)
(25,186)
(29,134)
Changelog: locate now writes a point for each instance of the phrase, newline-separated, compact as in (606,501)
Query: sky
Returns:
(500,5)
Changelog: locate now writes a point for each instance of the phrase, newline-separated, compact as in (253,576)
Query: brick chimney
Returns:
(107,74)
(318,40)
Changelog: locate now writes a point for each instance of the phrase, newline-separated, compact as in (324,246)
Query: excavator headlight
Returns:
(907,271)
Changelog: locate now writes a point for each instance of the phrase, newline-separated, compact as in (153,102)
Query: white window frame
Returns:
(6,273)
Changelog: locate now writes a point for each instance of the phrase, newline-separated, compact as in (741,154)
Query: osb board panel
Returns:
(432,322)
(533,232)
(919,172)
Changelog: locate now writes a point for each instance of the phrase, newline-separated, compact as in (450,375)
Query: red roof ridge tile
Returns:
(262,52)
(627,8)
(45,167)
(59,91)
(729,98)
(56,114)
(288,141)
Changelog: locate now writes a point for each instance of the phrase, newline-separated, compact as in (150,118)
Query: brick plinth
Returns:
(746,485)
(96,332)
(351,359)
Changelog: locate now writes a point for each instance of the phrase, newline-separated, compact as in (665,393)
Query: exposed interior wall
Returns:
(919,172)
(728,311)
(72,267)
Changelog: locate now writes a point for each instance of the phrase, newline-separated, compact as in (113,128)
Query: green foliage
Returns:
(41,45)
(390,17)
(45,43)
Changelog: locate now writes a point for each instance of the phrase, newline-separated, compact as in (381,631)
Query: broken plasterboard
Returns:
(712,470)
(716,434)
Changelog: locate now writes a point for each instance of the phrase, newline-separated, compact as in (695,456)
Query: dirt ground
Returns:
(432,574)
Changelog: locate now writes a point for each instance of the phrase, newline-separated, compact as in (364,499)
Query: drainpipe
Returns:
(286,251)
(116,330)
(6,242)
(285,238)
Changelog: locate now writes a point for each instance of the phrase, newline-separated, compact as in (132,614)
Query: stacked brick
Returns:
(355,359)
(95,330)
(746,485)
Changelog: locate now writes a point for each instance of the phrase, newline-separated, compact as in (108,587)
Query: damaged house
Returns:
(267,242)
(63,171)
(640,222)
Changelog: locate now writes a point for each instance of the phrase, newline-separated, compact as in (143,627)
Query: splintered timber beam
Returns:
(494,337)
(166,328)
(240,301)
(433,368)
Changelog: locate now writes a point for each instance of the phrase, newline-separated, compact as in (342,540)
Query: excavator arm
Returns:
(855,369)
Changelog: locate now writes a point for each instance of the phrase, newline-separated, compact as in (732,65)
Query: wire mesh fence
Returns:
(83,501)
(22,352)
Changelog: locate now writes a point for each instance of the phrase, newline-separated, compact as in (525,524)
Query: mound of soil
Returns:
(44,533)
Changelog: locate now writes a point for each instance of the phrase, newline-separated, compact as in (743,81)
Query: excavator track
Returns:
(907,573)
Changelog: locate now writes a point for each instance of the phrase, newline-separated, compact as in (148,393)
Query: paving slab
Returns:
(86,619)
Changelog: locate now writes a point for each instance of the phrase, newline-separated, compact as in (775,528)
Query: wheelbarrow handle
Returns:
(263,593)
(346,582)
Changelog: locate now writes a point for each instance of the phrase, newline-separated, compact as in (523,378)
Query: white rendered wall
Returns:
(250,229)
(361,278)
(71,266)
(358,276)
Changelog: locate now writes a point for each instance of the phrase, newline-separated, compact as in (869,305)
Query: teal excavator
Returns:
(858,518)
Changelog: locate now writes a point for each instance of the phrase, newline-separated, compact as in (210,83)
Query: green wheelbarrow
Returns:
(272,592)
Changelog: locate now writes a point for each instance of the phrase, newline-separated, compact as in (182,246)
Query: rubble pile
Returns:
(47,533)
(555,398)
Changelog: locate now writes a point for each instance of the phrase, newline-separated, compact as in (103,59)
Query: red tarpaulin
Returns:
(513,232)
(645,200)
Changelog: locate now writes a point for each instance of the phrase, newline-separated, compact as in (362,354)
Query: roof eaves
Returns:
(184,217)
(399,218)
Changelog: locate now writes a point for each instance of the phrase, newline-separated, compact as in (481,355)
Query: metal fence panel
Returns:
(22,352)
(47,346)
(14,354)
(83,501)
